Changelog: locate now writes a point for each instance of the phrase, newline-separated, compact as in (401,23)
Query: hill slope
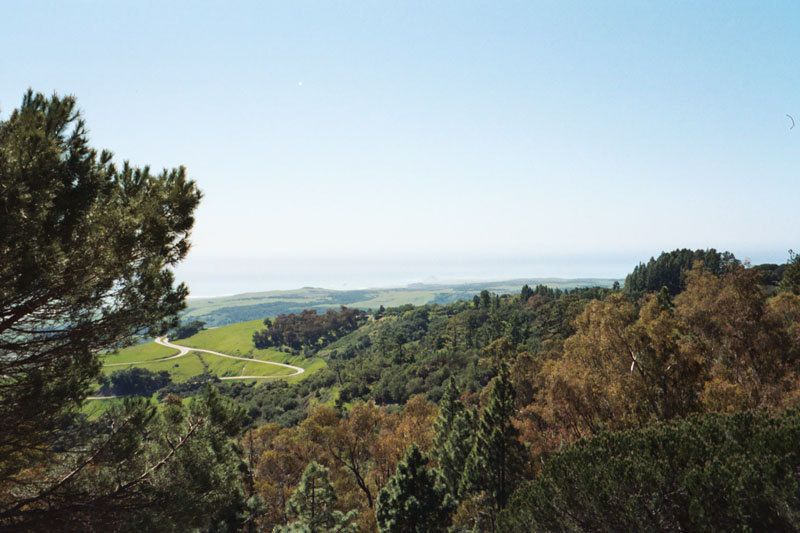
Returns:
(258,305)
(235,340)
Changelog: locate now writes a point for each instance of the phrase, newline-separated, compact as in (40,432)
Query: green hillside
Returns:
(141,352)
(234,340)
(179,370)
(237,339)
(258,305)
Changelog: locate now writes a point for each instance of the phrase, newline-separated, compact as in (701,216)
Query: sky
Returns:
(353,144)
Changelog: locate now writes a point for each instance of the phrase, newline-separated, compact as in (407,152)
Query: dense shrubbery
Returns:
(706,473)
(415,349)
(138,381)
(308,328)
(184,331)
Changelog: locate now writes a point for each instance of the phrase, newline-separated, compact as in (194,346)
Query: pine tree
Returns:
(88,249)
(493,466)
(312,505)
(455,433)
(414,500)
(791,276)
(525,293)
(449,407)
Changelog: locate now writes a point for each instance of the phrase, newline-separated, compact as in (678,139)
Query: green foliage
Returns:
(771,274)
(493,467)
(669,270)
(526,293)
(87,250)
(706,473)
(791,276)
(138,381)
(414,500)
(145,469)
(455,434)
(312,506)
(411,350)
(308,329)
(188,329)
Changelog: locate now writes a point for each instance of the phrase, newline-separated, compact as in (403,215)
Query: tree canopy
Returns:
(579,364)
(670,269)
(414,499)
(711,472)
(307,328)
(87,250)
(311,506)
(86,247)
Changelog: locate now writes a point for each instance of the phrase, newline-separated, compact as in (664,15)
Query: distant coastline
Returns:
(215,276)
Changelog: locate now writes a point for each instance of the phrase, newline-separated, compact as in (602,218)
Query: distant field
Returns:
(302,297)
(180,369)
(142,352)
(235,339)
(397,298)
(259,305)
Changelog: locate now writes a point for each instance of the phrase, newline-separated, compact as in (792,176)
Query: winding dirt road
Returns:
(183,350)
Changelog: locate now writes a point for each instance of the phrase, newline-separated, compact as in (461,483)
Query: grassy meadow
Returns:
(234,339)
(140,352)
(237,339)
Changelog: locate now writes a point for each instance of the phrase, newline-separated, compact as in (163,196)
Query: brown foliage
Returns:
(721,346)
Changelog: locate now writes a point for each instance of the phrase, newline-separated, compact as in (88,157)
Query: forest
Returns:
(505,399)
(669,402)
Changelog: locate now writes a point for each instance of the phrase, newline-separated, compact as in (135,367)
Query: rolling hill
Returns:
(234,340)
(225,310)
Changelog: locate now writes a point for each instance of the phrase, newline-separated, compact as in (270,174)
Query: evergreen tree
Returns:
(670,269)
(414,500)
(712,472)
(493,466)
(312,505)
(455,433)
(486,299)
(457,450)
(791,276)
(88,249)
(525,293)
(172,467)
(449,407)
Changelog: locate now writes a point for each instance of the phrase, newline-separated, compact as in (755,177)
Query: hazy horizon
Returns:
(214,277)
(383,143)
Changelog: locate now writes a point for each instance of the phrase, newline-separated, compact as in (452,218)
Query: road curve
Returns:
(183,350)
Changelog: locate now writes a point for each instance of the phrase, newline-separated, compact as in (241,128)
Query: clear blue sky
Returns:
(533,134)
